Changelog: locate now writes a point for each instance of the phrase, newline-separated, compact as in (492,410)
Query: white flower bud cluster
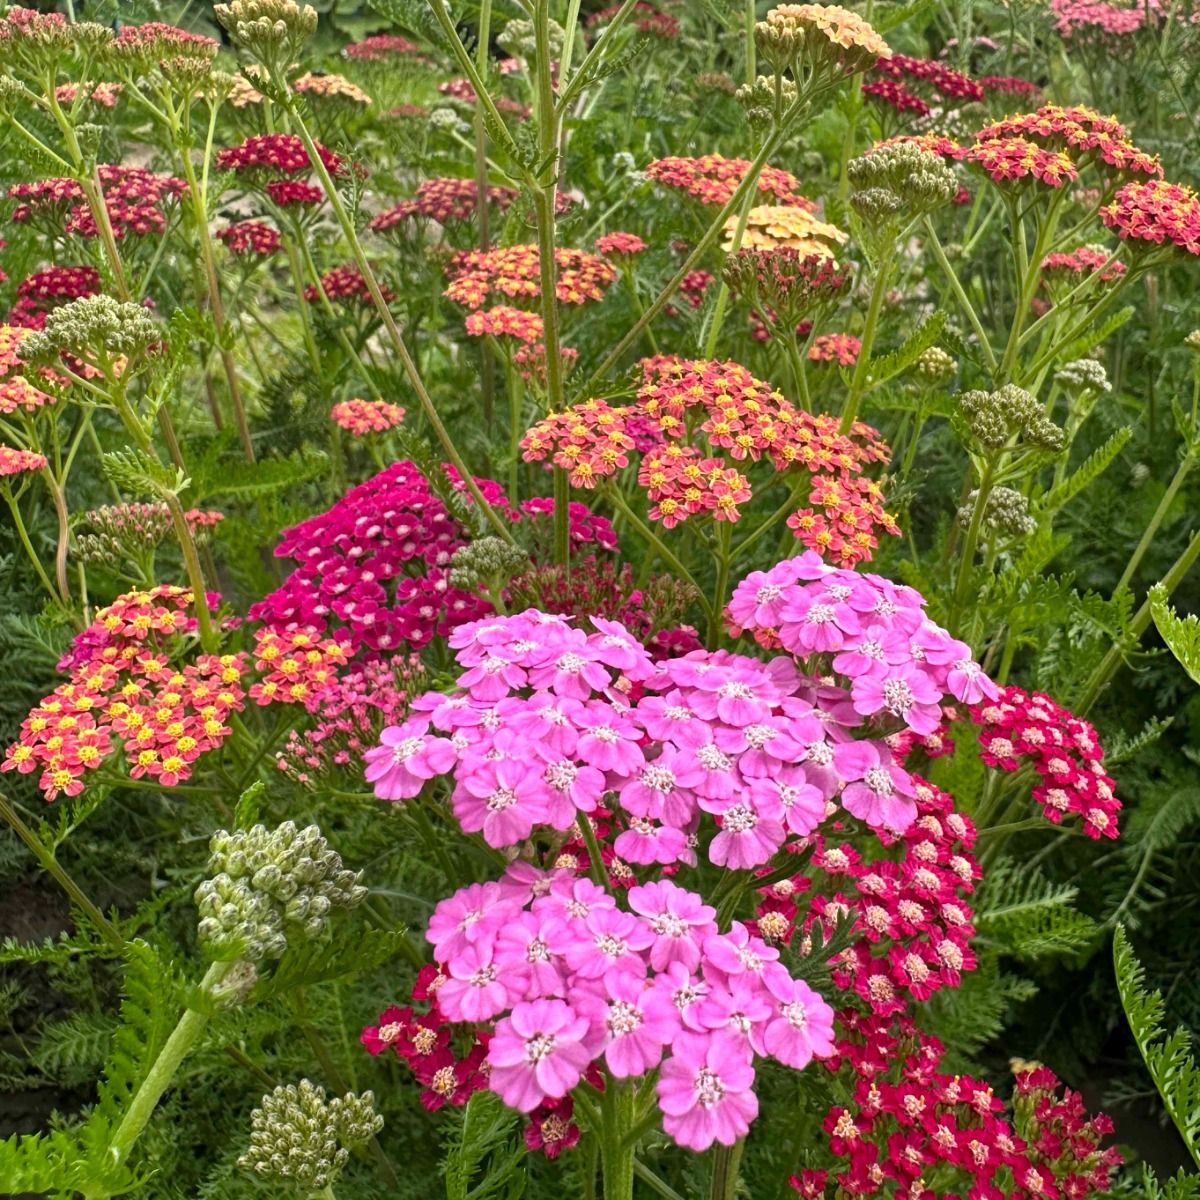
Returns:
(297,1136)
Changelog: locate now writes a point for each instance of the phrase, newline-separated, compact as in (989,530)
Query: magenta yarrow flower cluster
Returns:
(572,979)
(378,561)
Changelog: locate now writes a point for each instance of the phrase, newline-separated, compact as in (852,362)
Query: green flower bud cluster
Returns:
(486,562)
(935,365)
(297,1136)
(274,31)
(519,38)
(758,99)
(94,325)
(901,178)
(992,418)
(1082,376)
(786,282)
(264,881)
(1005,511)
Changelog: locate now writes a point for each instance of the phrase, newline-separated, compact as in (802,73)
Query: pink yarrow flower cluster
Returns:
(567,979)
(551,721)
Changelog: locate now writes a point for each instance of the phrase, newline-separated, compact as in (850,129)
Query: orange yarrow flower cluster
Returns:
(127,683)
(1013,159)
(514,271)
(692,421)
(16,392)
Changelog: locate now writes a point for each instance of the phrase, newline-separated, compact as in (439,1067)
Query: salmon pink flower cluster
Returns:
(19,462)
(620,245)
(714,179)
(1155,214)
(1019,729)
(688,415)
(503,320)
(362,417)
(514,272)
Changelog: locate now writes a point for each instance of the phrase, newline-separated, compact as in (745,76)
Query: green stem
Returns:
(50,865)
(23,534)
(726,1161)
(1186,464)
(652,1181)
(1111,662)
(966,562)
(598,872)
(177,1047)
(667,555)
(701,248)
(723,534)
(858,380)
(616,1154)
(960,295)
(381,306)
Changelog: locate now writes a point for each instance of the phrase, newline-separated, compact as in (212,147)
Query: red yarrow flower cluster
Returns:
(135,199)
(1028,729)
(427,1042)
(714,179)
(944,80)
(345,283)
(514,272)
(1155,214)
(362,417)
(646,19)
(908,908)
(380,47)
(276,153)
(250,237)
(896,95)
(910,1122)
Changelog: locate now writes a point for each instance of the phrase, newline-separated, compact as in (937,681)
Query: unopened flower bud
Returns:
(1005,511)
(1083,375)
(297,1136)
(266,880)
(486,562)
(1192,341)
(274,31)
(934,364)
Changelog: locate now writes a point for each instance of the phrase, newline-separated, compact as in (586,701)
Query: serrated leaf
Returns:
(131,471)
(270,475)
(307,964)
(485,1137)
(1086,473)
(249,806)
(1091,338)
(888,366)
(1182,634)
(1029,916)
(1168,1057)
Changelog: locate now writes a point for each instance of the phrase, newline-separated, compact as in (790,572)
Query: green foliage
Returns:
(1085,474)
(1182,634)
(485,1143)
(1168,1056)
(888,366)
(343,957)
(1024,914)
